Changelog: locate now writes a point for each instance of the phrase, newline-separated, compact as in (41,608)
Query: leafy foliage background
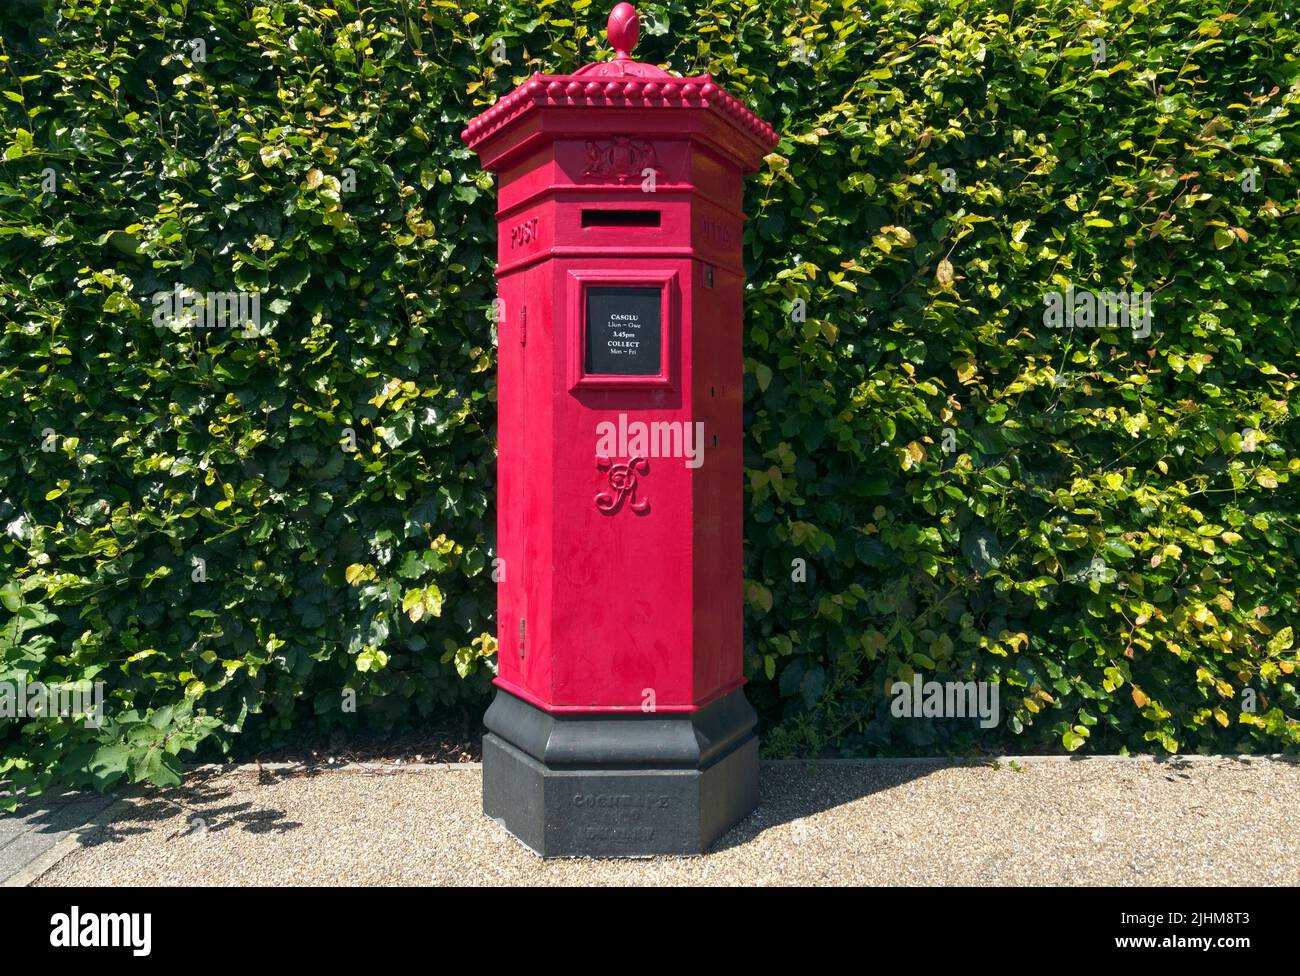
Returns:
(1112,536)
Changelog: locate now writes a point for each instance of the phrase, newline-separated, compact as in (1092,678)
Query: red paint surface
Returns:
(616,604)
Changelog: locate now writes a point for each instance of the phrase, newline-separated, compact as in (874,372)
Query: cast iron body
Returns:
(619,726)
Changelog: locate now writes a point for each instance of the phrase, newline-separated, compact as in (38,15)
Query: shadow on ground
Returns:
(785,795)
(208,807)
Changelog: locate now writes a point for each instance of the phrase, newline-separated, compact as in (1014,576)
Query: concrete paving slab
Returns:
(40,824)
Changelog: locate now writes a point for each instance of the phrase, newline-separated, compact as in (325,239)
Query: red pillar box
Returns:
(619,725)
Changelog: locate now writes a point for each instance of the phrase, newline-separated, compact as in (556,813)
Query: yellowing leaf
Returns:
(758,596)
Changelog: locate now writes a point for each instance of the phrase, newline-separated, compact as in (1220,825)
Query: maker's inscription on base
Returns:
(618,817)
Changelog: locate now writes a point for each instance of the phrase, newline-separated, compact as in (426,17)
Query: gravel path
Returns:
(1097,821)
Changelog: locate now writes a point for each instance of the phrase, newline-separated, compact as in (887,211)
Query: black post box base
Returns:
(619,784)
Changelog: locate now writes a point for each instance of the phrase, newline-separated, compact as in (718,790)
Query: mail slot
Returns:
(620,218)
(620,724)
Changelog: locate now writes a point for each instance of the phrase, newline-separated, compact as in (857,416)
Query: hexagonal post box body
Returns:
(619,726)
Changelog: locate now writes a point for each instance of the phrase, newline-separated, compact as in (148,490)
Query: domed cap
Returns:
(623,83)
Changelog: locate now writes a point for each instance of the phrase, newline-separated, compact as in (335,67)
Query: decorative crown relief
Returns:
(623,485)
(622,158)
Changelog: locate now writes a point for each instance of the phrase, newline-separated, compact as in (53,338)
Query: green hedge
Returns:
(1105,523)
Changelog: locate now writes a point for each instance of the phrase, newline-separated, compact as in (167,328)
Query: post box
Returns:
(619,725)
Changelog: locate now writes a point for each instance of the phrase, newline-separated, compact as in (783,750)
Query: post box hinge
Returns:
(522,624)
(523,326)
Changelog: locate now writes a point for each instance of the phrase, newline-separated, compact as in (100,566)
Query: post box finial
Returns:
(624,29)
